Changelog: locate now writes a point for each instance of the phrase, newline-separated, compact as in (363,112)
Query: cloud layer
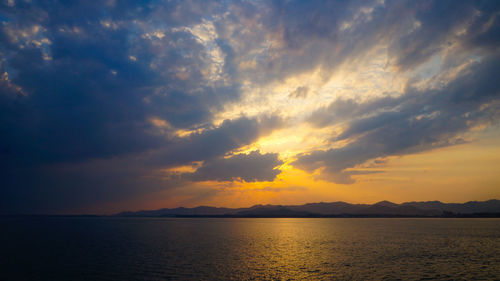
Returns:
(413,122)
(247,167)
(99,101)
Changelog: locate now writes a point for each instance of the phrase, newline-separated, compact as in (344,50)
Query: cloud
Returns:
(418,120)
(81,83)
(247,167)
(84,97)
(437,25)
(286,39)
(216,142)
(343,177)
(279,189)
(73,186)
(135,87)
(300,92)
(79,186)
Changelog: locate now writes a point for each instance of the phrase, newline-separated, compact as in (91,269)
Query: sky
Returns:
(109,105)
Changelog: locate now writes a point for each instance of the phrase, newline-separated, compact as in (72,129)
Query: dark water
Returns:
(249,249)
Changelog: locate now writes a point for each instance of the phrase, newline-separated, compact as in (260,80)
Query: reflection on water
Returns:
(249,249)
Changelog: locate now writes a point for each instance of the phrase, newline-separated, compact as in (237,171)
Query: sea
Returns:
(111,248)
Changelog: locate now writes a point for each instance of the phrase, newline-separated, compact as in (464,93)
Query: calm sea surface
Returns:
(249,249)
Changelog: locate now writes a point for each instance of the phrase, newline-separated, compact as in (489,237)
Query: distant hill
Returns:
(490,208)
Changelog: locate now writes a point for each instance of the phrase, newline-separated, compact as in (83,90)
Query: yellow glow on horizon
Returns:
(450,174)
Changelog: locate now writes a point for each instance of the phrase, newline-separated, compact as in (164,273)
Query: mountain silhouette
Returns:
(490,208)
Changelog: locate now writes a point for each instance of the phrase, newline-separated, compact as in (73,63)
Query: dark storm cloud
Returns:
(58,187)
(84,96)
(72,186)
(247,167)
(77,186)
(414,122)
(216,142)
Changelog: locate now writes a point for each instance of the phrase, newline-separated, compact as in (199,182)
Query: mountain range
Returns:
(490,208)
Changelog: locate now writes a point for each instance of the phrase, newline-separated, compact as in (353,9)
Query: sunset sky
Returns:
(108,106)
